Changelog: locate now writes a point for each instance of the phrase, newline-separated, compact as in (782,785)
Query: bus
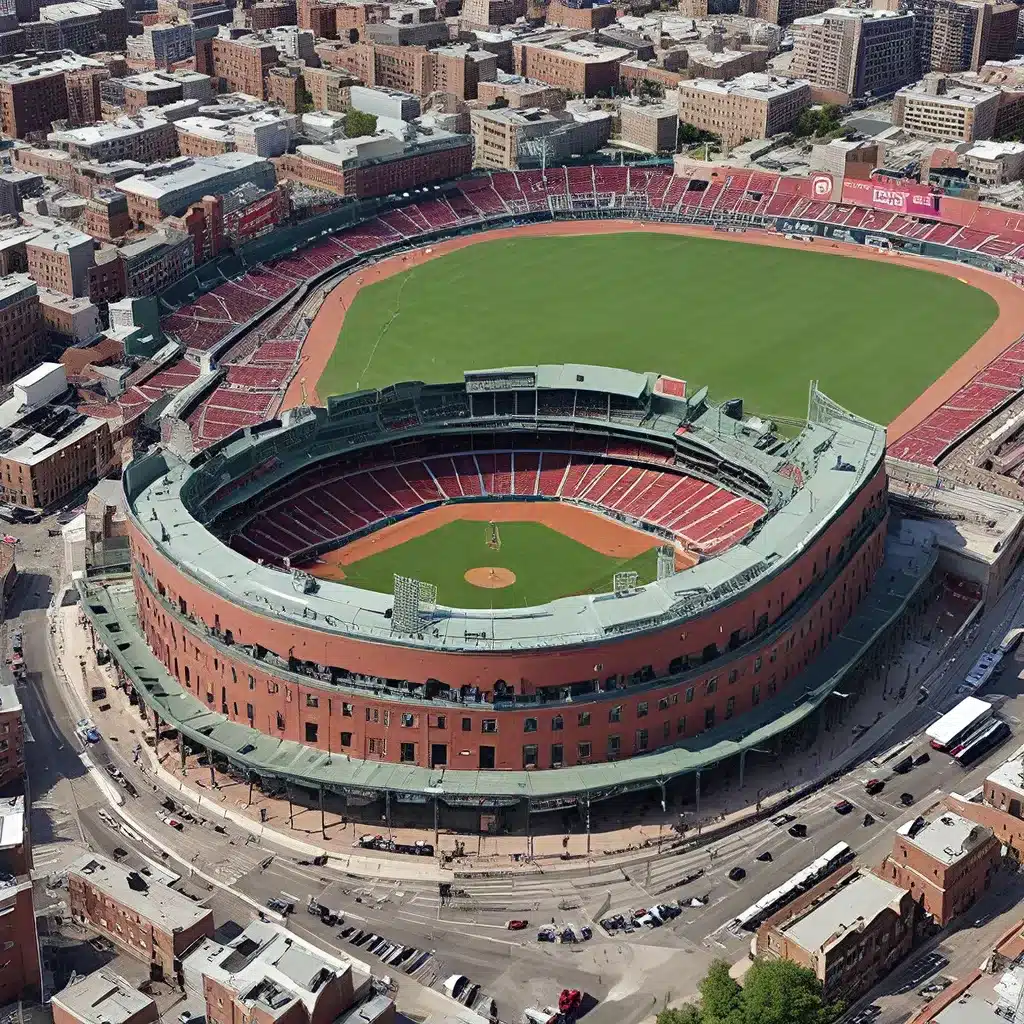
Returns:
(831,860)
(956,725)
(1011,641)
(981,671)
(981,742)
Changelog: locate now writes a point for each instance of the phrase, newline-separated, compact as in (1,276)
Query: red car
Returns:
(875,786)
(517,925)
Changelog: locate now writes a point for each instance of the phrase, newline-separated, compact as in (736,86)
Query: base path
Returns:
(598,532)
(323,333)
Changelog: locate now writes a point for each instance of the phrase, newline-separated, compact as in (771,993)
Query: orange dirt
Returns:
(323,333)
(603,535)
(490,578)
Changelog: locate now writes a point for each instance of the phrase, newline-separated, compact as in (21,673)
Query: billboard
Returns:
(918,200)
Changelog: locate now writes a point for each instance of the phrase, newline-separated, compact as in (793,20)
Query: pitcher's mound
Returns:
(491,579)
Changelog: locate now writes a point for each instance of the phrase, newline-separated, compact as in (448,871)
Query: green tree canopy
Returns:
(357,123)
(773,992)
(685,1014)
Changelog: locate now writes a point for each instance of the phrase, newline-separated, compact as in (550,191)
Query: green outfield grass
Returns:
(751,321)
(547,565)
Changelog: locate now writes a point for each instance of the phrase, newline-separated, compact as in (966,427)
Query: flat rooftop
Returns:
(270,968)
(954,93)
(187,173)
(12,822)
(103,997)
(858,901)
(754,85)
(166,908)
(1010,774)
(947,839)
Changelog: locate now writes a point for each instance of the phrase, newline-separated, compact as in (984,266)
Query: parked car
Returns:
(906,799)
(874,786)
(929,991)
(737,874)
(783,819)
(547,934)
(168,819)
(282,907)
(844,807)
(765,857)
(921,759)
(903,766)
(517,924)
(798,831)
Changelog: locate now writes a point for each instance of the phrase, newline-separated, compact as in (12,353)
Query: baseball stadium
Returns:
(528,587)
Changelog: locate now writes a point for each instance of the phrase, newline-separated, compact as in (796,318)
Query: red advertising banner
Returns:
(918,200)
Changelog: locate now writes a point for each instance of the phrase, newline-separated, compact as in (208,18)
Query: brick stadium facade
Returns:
(555,701)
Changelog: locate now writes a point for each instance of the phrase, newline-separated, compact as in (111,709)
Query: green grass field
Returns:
(547,565)
(751,321)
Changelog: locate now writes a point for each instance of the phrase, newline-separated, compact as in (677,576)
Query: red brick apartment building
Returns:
(243,64)
(268,974)
(20,977)
(851,930)
(379,166)
(145,918)
(22,334)
(947,864)
(103,997)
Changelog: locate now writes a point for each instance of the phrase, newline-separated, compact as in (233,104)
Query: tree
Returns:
(782,992)
(357,123)
(691,135)
(685,1014)
(720,996)
(818,121)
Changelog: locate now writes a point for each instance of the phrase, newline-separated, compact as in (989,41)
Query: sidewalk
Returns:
(219,796)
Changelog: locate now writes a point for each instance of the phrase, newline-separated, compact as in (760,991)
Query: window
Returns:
(407,752)
(249,712)
(583,751)
(489,725)
(681,725)
(311,730)
(733,675)
(556,723)
(730,707)
(346,739)
(583,719)
(408,720)
(663,703)
(641,739)
(709,718)
(467,725)
(372,715)
(615,714)
(710,686)
(311,701)
(252,683)
(641,709)
(442,722)
(530,755)
(529,725)
(556,755)
(757,663)
(614,745)
(346,709)
(755,695)
(666,730)
(280,718)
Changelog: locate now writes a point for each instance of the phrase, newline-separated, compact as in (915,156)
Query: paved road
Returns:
(628,974)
